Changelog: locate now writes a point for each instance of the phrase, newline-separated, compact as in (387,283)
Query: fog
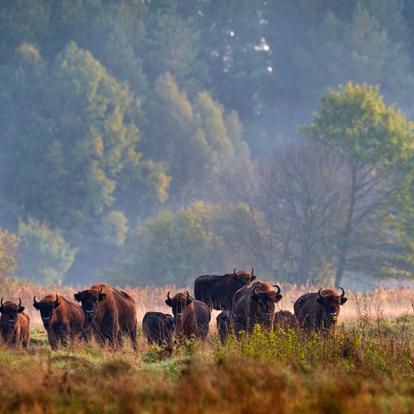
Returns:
(148,142)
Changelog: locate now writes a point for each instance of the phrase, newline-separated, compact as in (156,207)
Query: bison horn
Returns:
(57,299)
(234,272)
(255,289)
(278,288)
(101,290)
(343,292)
(319,292)
(20,302)
(188,294)
(1,302)
(168,295)
(34,300)
(251,274)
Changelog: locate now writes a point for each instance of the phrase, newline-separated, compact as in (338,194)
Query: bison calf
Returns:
(191,317)
(319,310)
(224,325)
(285,320)
(62,319)
(14,325)
(158,328)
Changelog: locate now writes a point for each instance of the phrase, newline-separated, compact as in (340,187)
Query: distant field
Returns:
(367,367)
(387,303)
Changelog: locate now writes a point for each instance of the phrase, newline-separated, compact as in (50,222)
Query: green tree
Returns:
(195,138)
(44,256)
(9,248)
(373,139)
(76,131)
(201,238)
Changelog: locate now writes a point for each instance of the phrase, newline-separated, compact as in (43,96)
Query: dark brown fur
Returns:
(159,328)
(14,325)
(61,318)
(224,325)
(285,320)
(217,291)
(191,317)
(255,304)
(109,314)
(319,310)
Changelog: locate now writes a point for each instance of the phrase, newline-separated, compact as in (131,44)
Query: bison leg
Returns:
(53,340)
(133,337)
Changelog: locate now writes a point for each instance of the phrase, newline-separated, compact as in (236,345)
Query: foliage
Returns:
(199,239)
(116,110)
(44,255)
(9,245)
(375,142)
(364,367)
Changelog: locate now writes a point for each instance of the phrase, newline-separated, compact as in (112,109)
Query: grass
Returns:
(365,367)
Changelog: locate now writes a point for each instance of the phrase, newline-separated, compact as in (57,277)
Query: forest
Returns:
(151,141)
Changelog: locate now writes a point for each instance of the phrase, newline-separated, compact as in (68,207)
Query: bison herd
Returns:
(108,315)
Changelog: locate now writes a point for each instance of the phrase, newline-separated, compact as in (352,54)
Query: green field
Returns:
(365,367)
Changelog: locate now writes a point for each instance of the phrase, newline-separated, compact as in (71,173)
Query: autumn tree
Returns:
(372,139)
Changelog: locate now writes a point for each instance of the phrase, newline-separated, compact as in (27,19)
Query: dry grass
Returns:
(366,367)
(390,302)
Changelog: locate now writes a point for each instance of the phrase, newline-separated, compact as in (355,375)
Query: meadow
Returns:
(367,366)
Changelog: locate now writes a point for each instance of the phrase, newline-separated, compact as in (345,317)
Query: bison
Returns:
(319,310)
(217,291)
(14,325)
(109,314)
(159,329)
(62,319)
(285,320)
(224,323)
(255,304)
(191,317)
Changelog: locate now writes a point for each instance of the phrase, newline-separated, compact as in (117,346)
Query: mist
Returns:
(149,142)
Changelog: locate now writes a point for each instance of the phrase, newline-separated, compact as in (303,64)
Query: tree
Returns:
(300,193)
(45,255)
(75,128)
(9,245)
(372,139)
(195,139)
(199,239)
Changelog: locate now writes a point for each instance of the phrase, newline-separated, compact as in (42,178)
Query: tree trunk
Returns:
(343,242)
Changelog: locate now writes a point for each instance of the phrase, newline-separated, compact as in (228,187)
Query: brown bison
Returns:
(255,304)
(159,329)
(224,325)
(191,317)
(109,314)
(319,310)
(14,325)
(62,319)
(285,320)
(217,291)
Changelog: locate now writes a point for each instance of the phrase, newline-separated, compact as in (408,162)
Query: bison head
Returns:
(331,301)
(265,298)
(10,310)
(46,307)
(90,300)
(243,278)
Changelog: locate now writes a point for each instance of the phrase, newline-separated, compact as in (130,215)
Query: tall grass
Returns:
(365,367)
(362,368)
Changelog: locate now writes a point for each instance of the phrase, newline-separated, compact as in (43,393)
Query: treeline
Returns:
(151,141)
